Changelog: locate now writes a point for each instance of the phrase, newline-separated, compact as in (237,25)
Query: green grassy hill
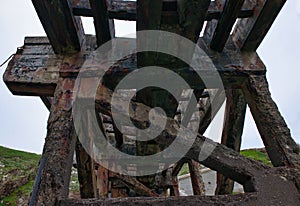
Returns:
(17,173)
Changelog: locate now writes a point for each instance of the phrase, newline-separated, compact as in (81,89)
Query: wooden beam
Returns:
(196,178)
(148,18)
(126,10)
(232,132)
(250,32)
(238,200)
(281,148)
(58,149)
(174,190)
(103,181)
(136,185)
(82,8)
(123,10)
(104,27)
(215,13)
(85,168)
(192,15)
(229,15)
(149,14)
(35,69)
(65,32)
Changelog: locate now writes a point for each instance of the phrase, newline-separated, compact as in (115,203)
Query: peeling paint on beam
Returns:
(35,71)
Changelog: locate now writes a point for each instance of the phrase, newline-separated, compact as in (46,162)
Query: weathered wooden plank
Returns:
(225,24)
(281,148)
(85,159)
(126,10)
(149,14)
(148,18)
(216,8)
(123,10)
(239,200)
(136,186)
(249,199)
(82,8)
(232,132)
(27,74)
(65,32)
(59,148)
(103,181)
(104,27)
(211,26)
(37,72)
(174,190)
(196,178)
(85,168)
(40,40)
(250,32)
(192,16)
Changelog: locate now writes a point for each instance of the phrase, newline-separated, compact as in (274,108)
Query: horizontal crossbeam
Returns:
(242,200)
(35,69)
(126,10)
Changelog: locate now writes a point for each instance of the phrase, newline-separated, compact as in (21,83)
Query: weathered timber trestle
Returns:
(232,31)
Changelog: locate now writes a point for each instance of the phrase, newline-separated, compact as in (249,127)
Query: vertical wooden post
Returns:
(85,168)
(232,132)
(102,181)
(174,190)
(149,18)
(196,178)
(105,29)
(281,148)
(58,149)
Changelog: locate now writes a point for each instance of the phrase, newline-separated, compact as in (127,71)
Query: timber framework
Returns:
(229,31)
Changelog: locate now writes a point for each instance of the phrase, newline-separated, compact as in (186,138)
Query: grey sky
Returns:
(23,119)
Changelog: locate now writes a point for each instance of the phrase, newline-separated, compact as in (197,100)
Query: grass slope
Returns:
(17,172)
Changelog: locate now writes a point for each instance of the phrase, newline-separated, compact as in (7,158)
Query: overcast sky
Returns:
(23,119)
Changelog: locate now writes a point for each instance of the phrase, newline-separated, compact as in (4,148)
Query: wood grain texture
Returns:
(250,32)
(65,32)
